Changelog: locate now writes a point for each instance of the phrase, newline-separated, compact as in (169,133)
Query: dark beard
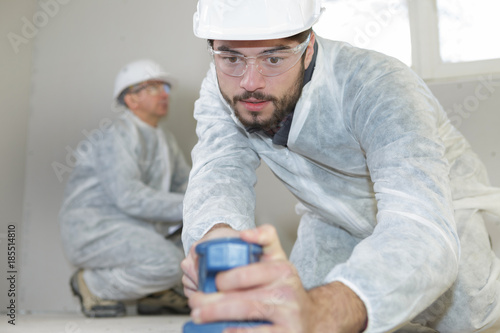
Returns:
(283,106)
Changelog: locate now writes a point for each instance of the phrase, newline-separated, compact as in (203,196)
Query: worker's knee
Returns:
(164,263)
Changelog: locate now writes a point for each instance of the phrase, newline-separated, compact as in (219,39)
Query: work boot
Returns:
(93,306)
(163,302)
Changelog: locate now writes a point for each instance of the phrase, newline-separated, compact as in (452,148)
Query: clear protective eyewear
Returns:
(269,63)
(152,88)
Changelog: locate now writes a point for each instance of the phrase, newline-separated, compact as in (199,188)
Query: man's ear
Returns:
(310,50)
(131,101)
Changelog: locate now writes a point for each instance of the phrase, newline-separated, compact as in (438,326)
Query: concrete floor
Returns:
(77,323)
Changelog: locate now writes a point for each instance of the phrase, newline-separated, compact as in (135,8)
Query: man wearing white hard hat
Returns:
(123,202)
(392,236)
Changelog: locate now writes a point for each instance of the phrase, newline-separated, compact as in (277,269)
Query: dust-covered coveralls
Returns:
(119,200)
(377,168)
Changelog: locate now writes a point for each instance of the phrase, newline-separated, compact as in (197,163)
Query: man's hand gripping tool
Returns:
(216,256)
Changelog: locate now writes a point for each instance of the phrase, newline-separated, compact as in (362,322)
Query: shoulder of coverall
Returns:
(122,127)
(357,66)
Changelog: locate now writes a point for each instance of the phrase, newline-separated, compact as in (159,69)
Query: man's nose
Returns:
(252,79)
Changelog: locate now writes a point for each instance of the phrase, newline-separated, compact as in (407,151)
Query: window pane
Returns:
(379,25)
(468,30)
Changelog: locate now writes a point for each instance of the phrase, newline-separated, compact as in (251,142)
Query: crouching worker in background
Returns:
(122,203)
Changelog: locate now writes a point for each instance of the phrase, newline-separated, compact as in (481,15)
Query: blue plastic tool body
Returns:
(218,327)
(220,255)
(215,256)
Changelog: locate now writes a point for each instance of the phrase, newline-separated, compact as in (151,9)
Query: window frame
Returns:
(426,58)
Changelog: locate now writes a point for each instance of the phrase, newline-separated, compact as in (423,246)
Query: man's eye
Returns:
(274,60)
(231,59)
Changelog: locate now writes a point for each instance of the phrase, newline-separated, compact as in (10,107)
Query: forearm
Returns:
(335,308)
(146,203)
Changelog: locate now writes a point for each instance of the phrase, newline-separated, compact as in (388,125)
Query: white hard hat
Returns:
(255,19)
(137,72)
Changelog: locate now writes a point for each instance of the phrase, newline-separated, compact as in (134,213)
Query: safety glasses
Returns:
(272,63)
(152,88)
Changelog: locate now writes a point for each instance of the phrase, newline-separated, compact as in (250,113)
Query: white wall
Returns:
(76,55)
(15,87)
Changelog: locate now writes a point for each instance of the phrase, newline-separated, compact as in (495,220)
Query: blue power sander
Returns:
(215,256)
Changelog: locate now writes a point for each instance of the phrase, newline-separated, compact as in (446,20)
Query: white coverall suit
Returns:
(388,189)
(120,198)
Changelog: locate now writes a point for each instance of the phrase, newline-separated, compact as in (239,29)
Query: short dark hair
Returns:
(301,36)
